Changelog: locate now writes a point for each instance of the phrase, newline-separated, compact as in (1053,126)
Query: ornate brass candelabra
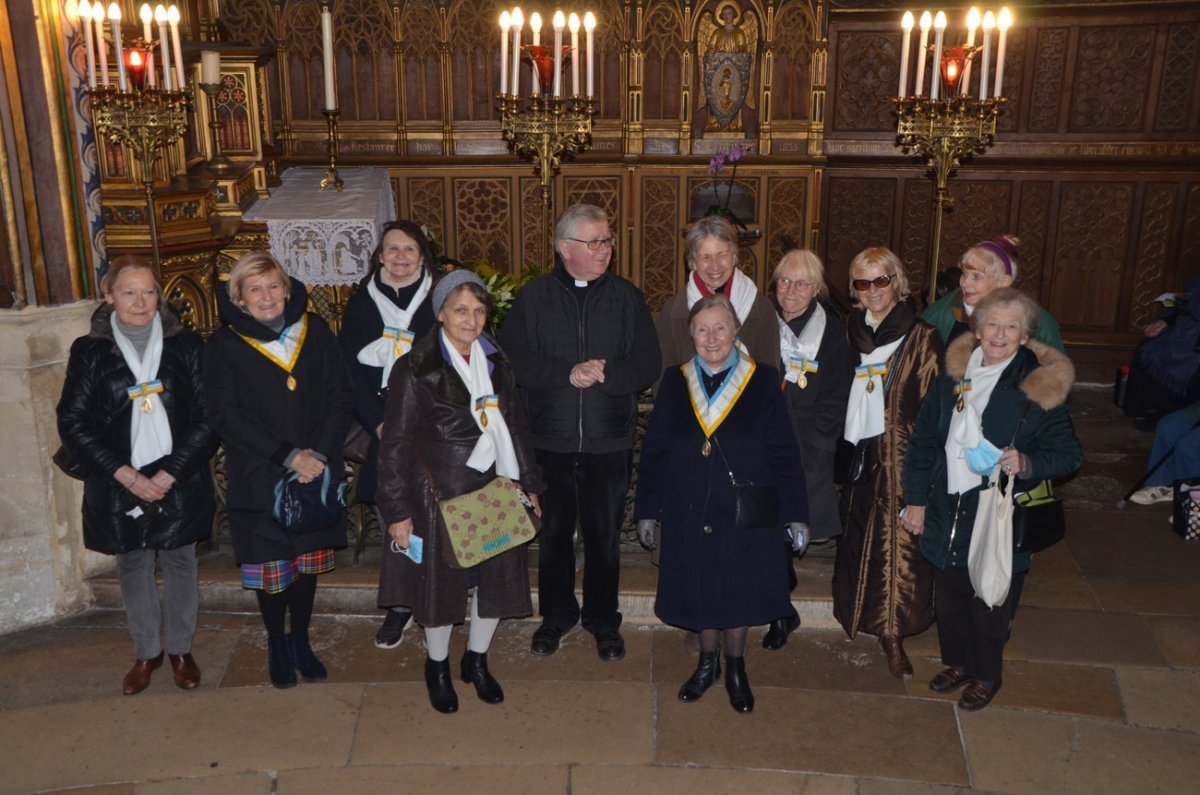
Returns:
(145,120)
(331,178)
(218,163)
(944,132)
(544,129)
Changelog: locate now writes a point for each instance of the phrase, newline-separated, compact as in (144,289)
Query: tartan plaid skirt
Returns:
(276,575)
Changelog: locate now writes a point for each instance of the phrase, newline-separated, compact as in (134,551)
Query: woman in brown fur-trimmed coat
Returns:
(882,584)
(1002,393)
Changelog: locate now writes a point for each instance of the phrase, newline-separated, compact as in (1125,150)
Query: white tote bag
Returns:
(990,559)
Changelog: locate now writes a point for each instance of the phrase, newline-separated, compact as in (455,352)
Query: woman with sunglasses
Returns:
(882,585)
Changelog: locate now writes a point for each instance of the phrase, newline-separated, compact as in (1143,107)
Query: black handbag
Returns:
(307,507)
(849,458)
(757,506)
(1038,518)
(65,461)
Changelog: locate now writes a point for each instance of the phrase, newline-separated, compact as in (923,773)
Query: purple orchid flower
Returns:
(717,164)
(736,153)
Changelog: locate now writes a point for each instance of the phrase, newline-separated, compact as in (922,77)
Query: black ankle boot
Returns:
(708,671)
(475,671)
(737,685)
(310,667)
(281,665)
(441,689)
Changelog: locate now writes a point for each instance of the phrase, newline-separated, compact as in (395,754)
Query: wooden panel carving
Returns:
(1014,73)
(794,37)
(422,67)
(475,60)
(980,212)
(603,192)
(426,205)
(363,45)
(1091,242)
(610,41)
(1154,239)
(1179,76)
(1112,78)
(787,200)
(1032,218)
(915,232)
(1189,250)
(868,72)
(661,243)
(1048,70)
(861,211)
(302,42)
(481,220)
(663,42)
(532,218)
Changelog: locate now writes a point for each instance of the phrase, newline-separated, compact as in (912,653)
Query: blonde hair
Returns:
(983,257)
(885,258)
(124,263)
(255,263)
(809,265)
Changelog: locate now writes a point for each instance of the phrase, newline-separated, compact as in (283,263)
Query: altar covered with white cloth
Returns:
(325,237)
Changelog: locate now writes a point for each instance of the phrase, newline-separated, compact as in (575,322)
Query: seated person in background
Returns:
(1165,373)
(1179,433)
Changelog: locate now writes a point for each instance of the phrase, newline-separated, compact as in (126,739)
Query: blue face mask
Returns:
(982,459)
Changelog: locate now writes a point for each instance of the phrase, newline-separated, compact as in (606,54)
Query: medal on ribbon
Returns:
(483,403)
(963,387)
(144,391)
(403,339)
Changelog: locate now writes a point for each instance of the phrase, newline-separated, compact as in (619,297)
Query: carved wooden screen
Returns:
(791,83)
(663,42)
(420,32)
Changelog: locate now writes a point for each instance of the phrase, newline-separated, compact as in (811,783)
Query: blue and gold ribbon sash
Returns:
(144,390)
(403,339)
(483,403)
(292,340)
(870,371)
(798,368)
(960,391)
(711,412)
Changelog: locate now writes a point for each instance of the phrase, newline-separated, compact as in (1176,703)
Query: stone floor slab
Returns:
(1161,699)
(1056,687)
(576,660)
(427,780)
(1179,638)
(877,786)
(1085,637)
(243,784)
(1054,581)
(164,737)
(662,780)
(538,723)
(1024,752)
(853,734)
(1147,598)
(1132,545)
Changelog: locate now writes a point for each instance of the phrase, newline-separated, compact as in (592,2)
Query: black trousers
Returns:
(590,488)
(971,633)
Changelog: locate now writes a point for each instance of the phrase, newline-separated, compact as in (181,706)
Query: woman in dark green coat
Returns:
(1001,398)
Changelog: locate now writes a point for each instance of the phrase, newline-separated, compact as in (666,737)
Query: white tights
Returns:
(479,635)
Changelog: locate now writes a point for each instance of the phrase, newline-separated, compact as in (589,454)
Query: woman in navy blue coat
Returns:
(716,414)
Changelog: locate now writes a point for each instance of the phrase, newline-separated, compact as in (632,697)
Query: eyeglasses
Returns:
(862,285)
(724,258)
(784,283)
(593,245)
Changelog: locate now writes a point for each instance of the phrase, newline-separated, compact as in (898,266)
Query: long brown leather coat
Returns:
(882,584)
(428,435)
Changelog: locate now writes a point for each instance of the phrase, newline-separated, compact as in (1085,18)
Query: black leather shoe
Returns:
(475,671)
(545,641)
(311,669)
(280,664)
(610,646)
(441,689)
(975,696)
(777,635)
(949,679)
(708,671)
(392,631)
(737,685)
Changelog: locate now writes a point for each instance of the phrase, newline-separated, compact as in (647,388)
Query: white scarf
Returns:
(711,411)
(742,293)
(149,429)
(396,339)
(966,425)
(495,445)
(864,412)
(800,352)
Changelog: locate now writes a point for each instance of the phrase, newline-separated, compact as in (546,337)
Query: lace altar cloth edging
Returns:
(323,237)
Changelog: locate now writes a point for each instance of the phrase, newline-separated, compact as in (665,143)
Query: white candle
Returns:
(559,22)
(939,27)
(160,16)
(85,21)
(906,24)
(589,25)
(114,18)
(989,22)
(210,67)
(505,23)
(972,24)
(573,24)
(518,22)
(327,58)
(177,51)
(926,24)
(1004,22)
(535,25)
(146,15)
(101,45)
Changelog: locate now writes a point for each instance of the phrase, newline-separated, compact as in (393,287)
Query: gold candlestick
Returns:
(331,178)
(218,163)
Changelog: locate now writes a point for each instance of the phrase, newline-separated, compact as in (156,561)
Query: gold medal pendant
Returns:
(960,405)
(483,418)
(870,386)
(147,406)
(291,383)
(399,349)
(803,381)
(706,448)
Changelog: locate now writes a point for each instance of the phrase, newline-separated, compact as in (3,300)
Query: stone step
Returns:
(351,589)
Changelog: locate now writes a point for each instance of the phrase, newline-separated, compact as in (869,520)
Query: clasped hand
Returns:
(146,489)
(585,374)
(307,466)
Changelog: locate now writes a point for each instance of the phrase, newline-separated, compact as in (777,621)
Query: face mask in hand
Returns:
(982,459)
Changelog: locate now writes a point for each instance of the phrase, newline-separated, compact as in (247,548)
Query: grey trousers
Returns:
(181,599)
